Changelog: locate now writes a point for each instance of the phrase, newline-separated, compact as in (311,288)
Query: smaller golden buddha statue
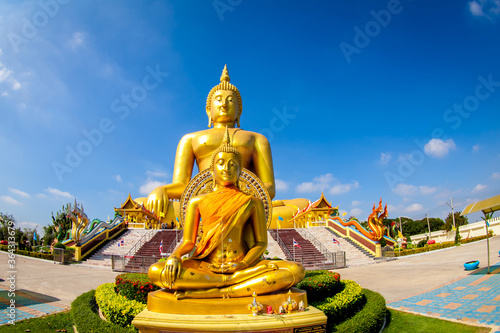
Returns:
(226,261)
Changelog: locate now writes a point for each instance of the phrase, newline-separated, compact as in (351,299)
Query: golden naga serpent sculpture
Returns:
(375,223)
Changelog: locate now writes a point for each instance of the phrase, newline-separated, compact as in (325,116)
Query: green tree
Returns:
(61,222)
(6,220)
(49,233)
(459,221)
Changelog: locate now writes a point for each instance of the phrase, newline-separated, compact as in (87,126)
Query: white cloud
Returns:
(414,208)
(495,175)
(10,200)
(158,174)
(485,8)
(475,8)
(118,178)
(306,187)
(281,185)
(30,225)
(58,193)
(356,203)
(356,212)
(426,190)
(76,40)
(6,75)
(41,196)
(405,189)
(318,184)
(475,148)
(439,148)
(19,192)
(149,186)
(328,183)
(479,188)
(343,188)
(385,158)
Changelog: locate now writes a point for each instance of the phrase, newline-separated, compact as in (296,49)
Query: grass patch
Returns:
(402,322)
(59,322)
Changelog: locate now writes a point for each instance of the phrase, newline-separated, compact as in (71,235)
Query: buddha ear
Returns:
(238,120)
(209,118)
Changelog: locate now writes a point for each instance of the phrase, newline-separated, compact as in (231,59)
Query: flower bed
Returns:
(134,286)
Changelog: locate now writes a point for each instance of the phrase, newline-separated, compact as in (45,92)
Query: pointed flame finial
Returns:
(225,75)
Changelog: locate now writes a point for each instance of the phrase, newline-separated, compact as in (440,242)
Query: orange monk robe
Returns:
(219,211)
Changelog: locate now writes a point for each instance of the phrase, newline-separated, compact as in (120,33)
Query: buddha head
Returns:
(226,163)
(224,102)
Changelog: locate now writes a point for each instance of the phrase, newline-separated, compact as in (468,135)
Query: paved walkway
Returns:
(473,299)
(42,287)
(434,283)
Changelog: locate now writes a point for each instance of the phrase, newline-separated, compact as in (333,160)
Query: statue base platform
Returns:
(164,301)
(311,320)
(164,313)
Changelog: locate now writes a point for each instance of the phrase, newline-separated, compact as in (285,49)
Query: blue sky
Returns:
(391,99)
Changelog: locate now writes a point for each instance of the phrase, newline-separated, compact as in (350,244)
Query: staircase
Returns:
(355,254)
(273,248)
(149,253)
(308,255)
(102,258)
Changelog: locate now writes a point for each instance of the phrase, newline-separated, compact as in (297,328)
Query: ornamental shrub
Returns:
(134,286)
(32,254)
(320,284)
(422,242)
(344,304)
(436,246)
(60,246)
(116,308)
(84,312)
(369,319)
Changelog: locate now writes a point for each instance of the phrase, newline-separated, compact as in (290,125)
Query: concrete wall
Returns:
(471,230)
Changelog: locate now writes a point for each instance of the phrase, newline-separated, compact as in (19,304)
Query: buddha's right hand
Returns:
(158,201)
(173,269)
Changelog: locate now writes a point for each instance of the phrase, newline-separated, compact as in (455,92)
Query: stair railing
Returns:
(178,239)
(282,245)
(310,237)
(144,239)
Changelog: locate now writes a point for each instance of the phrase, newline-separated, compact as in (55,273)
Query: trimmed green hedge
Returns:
(352,309)
(115,307)
(342,305)
(84,312)
(40,255)
(367,320)
(134,286)
(320,284)
(436,246)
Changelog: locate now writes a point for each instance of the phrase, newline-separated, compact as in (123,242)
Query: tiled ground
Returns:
(28,305)
(473,299)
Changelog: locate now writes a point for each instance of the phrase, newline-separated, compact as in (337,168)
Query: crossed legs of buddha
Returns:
(265,277)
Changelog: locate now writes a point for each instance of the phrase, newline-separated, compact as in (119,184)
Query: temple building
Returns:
(137,215)
(314,215)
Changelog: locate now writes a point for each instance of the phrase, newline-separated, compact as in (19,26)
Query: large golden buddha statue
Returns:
(226,261)
(223,107)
